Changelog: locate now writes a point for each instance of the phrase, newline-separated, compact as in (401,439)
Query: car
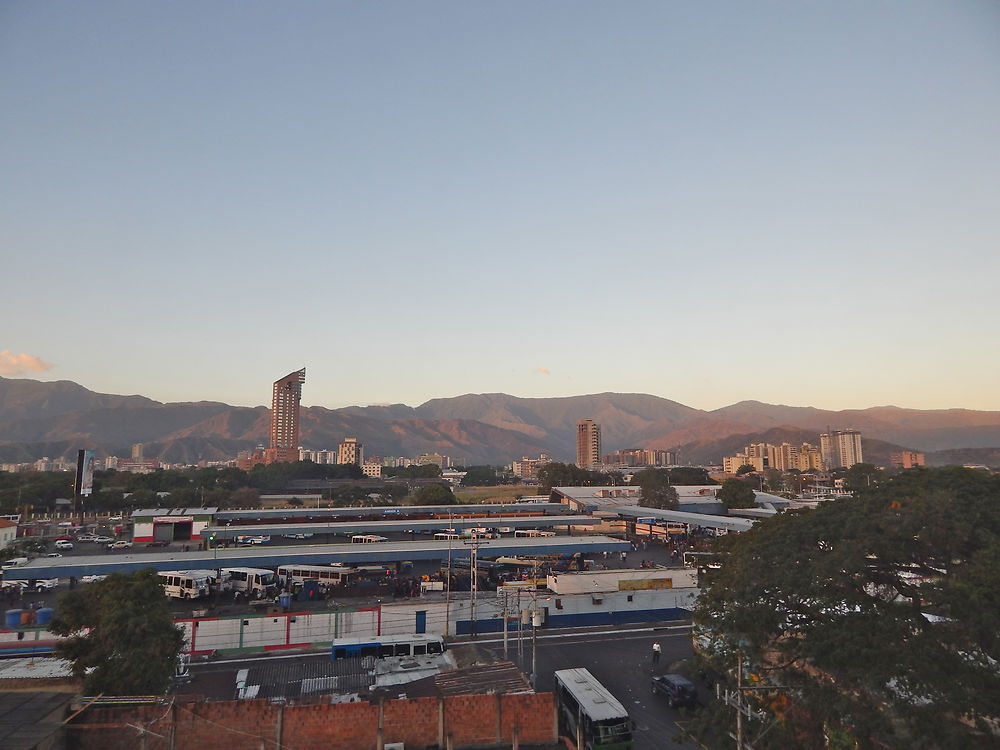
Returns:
(53,554)
(63,544)
(91,579)
(679,690)
(299,535)
(158,543)
(87,538)
(120,544)
(116,518)
(103,539)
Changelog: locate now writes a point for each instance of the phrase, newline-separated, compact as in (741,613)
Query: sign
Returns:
(172,519)
(85,473)
(644,584)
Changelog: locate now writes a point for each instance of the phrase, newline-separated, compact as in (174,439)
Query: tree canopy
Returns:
(879,615)
(656,489)
(431,494)
(558,474)
(735,493)
(121,638)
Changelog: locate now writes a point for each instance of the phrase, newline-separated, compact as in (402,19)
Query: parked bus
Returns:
(533,532)
(332,574)
(368,539)
(188,584)
(443,536)
(590,715)
(250,580)
(417,644)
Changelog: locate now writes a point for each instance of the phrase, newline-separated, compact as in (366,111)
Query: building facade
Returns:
(350,452)
(805,457)
(841,448)
(286,394)
(908,459)
(527,468)
(588,444)
(641,457)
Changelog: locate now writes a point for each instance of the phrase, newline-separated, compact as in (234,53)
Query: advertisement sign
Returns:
(645,584)
(85,472)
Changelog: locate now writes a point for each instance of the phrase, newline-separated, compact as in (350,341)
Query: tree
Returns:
(431,494)
(736,493)
(880,615)
(745,469)
(656,489)
(120,635)
(683,476)
(862,476)
(480,476)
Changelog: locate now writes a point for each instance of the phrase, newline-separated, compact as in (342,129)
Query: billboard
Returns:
(85,473)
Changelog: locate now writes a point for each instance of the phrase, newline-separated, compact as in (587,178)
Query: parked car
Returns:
(103,539)
(120,544)
(679,690)
(158,543)
(116,518)
(91,579)
(54,554)
(87,538)
(63,544)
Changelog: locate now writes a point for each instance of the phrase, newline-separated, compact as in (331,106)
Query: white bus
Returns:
(250,580)
(533,532)
(443,536)
(333,574)
(187,584)
(368,539)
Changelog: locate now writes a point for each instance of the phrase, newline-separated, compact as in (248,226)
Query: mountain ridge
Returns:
(478,428)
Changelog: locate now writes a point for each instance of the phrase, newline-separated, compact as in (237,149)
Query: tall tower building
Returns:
(841,448)
(588,444)
(286,395)
(351,452)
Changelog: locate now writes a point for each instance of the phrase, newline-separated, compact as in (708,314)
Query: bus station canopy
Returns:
(378,527)
(265,556)
(678,516)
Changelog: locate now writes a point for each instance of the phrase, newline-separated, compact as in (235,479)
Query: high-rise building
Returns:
(285,397)
(588,444)
(841,448)
(137,452)
(350,452)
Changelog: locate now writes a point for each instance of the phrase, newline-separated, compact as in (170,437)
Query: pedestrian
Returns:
(623,555)
(656,652)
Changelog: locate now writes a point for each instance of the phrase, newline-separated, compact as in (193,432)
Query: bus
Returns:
(382,646)
(368,539)
(443,536)
(250,580)
(188,584)
(332,574)
(533,532)
(590,715)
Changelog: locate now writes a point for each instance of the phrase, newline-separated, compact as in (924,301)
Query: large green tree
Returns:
(656,489)
(735,493)
(878,615)
(120,635)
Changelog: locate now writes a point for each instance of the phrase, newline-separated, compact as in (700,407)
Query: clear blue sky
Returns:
(796,202)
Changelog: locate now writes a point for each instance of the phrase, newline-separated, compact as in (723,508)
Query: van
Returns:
(14,562)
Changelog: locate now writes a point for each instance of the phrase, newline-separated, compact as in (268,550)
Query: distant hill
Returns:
(39,418)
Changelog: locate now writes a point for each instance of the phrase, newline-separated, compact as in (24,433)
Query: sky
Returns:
(793,202)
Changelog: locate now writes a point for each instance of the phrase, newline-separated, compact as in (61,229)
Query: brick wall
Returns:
(470,720)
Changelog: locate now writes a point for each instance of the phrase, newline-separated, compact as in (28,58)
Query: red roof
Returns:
(4,523)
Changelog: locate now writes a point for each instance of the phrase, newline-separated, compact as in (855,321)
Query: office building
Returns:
(588,444)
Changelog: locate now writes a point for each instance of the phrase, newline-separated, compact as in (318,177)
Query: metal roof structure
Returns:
(388,511)
(593,697)
(376,527)
(143,512)
(320,554)
(677,516)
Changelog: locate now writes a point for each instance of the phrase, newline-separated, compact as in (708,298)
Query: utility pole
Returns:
(447,588)
(734,698)
(475,544)
(534,617)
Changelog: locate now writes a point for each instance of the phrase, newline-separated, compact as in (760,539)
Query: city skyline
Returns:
(438,174)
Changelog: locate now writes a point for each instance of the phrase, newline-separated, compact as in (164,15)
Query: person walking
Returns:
(656,652)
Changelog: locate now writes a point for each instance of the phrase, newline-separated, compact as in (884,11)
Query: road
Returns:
(621,658)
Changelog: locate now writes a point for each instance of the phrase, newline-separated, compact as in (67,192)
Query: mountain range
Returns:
(55,418)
